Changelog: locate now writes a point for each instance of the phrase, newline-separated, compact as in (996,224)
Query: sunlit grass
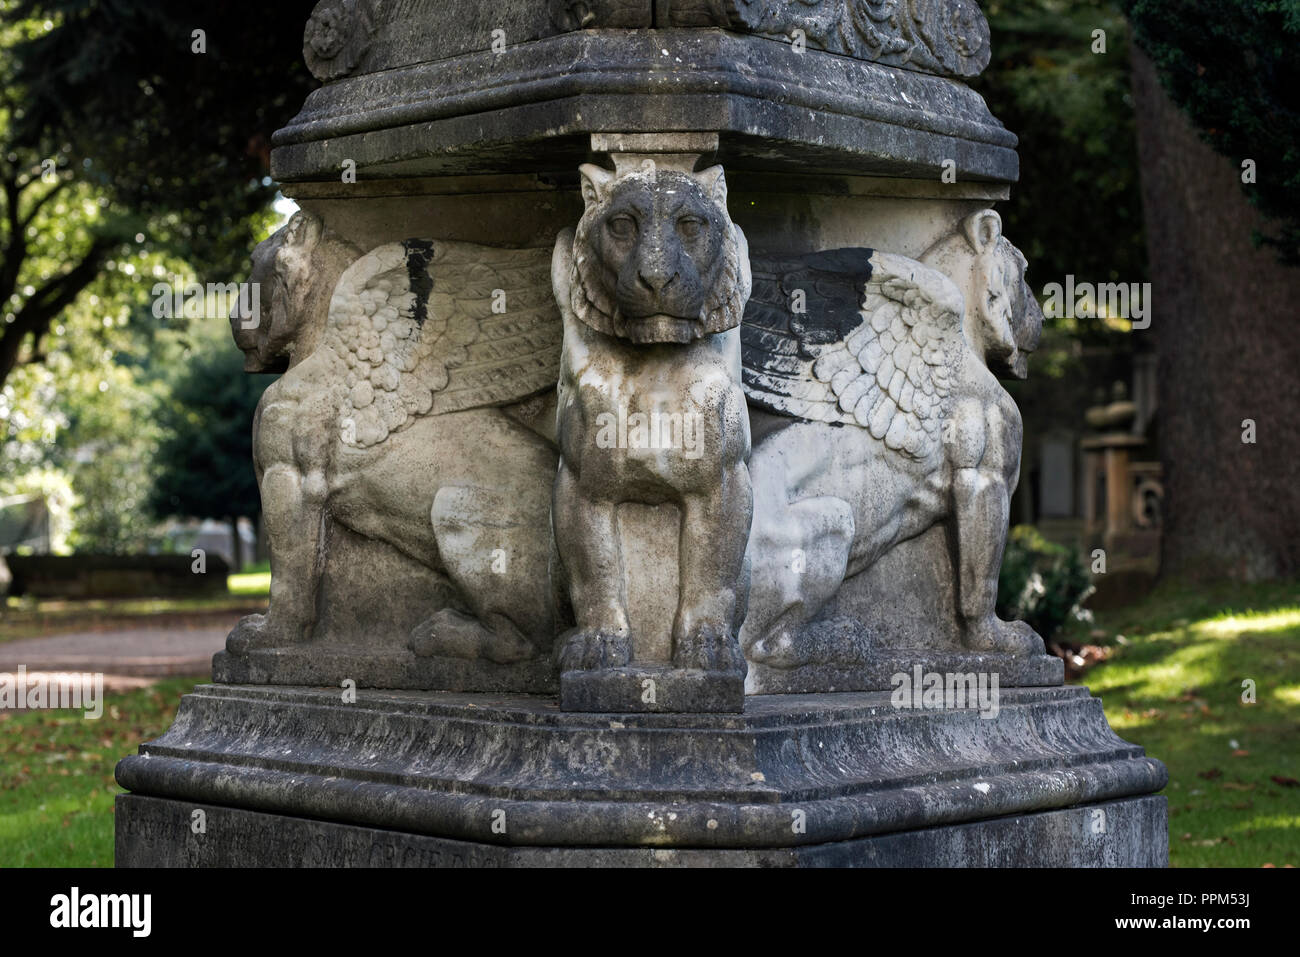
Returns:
(250,583)
(1181,685)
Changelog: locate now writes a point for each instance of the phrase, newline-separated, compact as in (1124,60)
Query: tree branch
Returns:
(36,206)
(39,311)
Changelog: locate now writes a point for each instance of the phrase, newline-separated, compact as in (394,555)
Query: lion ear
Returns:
(595,183)
(714,182)
(983,230)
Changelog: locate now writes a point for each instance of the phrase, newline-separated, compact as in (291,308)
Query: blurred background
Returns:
(1156,538)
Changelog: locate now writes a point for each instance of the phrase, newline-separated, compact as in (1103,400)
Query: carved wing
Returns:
(856,337)
(430,327)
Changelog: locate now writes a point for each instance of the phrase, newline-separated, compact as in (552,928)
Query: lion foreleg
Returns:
(713,574)
(981,506)
(290,458)
(586,537)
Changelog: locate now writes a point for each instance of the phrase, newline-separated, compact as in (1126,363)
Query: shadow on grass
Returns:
(1209,683)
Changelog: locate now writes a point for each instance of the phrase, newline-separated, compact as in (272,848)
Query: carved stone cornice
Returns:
(943,37)
(948,38)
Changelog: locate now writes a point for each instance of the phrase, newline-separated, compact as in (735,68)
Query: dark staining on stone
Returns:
(419,253)
(832,284)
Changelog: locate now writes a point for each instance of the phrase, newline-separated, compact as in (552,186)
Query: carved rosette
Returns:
(337,36)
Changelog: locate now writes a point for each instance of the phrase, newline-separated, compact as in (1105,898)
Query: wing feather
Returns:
(873,345)
(427,327)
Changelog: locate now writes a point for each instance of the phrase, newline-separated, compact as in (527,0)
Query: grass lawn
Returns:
(56,775)
(1173,684)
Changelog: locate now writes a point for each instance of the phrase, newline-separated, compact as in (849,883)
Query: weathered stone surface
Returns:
(515,770)
(633,689)
(532,108)
(157,832)
(883,371)
(652,288)
(947,37)
(330,664)
(876,668)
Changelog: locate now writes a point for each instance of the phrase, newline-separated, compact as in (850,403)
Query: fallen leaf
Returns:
(1210,775)
(1285,782)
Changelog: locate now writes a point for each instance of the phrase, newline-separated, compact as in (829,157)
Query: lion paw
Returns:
(708,648)
(257,631)
(592,649)
(1006,637)
(452,634)
(778,651)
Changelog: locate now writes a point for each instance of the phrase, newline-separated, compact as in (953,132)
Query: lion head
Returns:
(1003,319)
(295,272)
(656,257)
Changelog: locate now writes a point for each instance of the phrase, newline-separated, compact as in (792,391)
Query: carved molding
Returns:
(944,37)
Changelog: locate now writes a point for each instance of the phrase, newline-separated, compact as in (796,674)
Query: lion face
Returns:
(272,296)
(1010,303)
(295,270)
(656,257)
(1003,319)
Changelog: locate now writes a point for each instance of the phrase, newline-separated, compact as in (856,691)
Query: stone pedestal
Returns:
(298,777)
(501,635)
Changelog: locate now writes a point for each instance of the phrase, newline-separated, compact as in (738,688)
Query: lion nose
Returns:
(656,280)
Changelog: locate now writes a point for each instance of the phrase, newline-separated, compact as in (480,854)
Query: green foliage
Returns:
(1041,582)
(1233,67)
(179,137)
(126,159)
(53,487)
(1077,208)
(205,461)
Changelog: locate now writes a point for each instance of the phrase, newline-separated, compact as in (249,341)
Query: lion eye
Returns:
(623,227)
(690,226)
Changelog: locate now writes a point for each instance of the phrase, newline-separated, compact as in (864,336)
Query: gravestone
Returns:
(637,482)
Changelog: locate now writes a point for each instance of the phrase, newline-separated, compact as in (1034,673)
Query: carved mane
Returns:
(593,301)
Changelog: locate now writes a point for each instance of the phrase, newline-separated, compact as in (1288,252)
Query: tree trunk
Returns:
(236,547)
(1228,341)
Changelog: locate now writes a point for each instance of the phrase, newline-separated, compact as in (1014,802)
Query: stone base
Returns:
(790,778)
(645,689)
(157,832)
(317,665)
(877,674)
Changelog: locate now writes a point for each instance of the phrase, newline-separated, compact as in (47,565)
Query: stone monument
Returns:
(637,482)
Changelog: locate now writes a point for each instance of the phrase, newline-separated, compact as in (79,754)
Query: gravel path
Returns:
(143,652)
